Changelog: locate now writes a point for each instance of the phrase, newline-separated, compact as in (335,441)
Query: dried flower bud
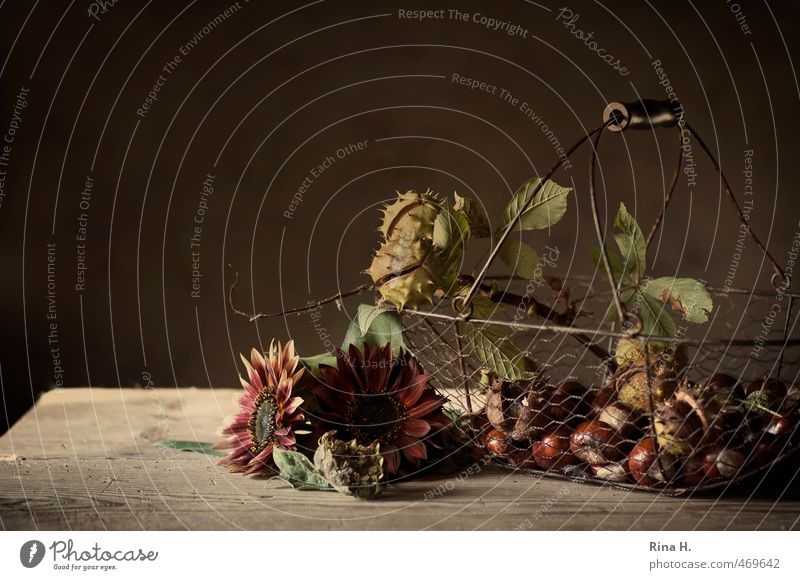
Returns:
(349,467)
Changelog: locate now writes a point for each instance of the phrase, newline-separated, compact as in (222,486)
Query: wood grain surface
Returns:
(87,459)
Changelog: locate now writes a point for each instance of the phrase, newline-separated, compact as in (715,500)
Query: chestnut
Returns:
(722,462)
(603,397)
(496,442)
(720,382)
(595,442)
(521,458)
(721,389)
(610,471)
(766,450)
(620,418)
(553,451)
(577,396)
(774,388)
(693,472)
(647,468)
(779,427)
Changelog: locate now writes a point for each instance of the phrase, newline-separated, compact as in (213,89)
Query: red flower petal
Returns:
(416,427)
(426,406)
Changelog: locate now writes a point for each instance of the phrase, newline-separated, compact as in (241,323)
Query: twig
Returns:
(306,308)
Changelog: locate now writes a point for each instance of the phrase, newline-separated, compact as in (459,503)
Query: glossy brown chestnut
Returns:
(781,428)
(595,443)
(722,462)
(646,468)
(620,418)
(772,387)
(496,442)
(693,472)
(553,452)
(603,398)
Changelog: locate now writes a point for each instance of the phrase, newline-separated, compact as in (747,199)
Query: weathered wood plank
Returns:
(85,459)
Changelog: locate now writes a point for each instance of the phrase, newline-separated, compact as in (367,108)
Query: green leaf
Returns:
(686,296)
(297,470)
(475,214)
(618,269)
(312,362)
(385,328)
(484,308)
(522,259)
(366,315)
(495,350)
(625,296)
(192,446)
(546,209)
(631,245)
(451,233)
(656,321)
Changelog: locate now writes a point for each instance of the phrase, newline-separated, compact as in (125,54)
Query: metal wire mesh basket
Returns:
(731,407)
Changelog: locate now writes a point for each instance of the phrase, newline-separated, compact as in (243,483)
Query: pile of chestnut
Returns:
(655,429)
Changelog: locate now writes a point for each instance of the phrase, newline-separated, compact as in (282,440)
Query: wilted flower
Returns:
(268,410)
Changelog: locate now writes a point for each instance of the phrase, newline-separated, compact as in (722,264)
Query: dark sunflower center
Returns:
(262,421)
(375,417)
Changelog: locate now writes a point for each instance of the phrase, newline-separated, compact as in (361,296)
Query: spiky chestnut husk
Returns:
(634,388)
(632,349)
(404,268)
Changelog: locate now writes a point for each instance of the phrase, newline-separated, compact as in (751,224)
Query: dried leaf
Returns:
(686,296)
(297,470)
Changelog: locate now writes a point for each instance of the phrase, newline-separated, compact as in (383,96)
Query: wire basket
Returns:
(727,412)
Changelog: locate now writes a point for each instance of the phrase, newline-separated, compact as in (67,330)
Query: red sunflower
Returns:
(376,396)
(268,410)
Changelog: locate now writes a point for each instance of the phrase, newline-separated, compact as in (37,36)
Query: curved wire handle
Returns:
(645,114)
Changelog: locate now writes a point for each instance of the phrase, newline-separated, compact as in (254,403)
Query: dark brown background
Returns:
(287,84)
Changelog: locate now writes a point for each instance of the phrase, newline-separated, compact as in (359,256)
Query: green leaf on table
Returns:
(297,470)
(656,321)
(548,206)
(522,259)
(497,352)
(686,296)
(311,363)
(202,447)
(631,245)
(451,233)
(475,214)
(384,328)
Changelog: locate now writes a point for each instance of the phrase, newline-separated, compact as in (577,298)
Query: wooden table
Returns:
(86,459)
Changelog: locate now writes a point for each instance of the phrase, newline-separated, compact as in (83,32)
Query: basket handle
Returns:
(645,114)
